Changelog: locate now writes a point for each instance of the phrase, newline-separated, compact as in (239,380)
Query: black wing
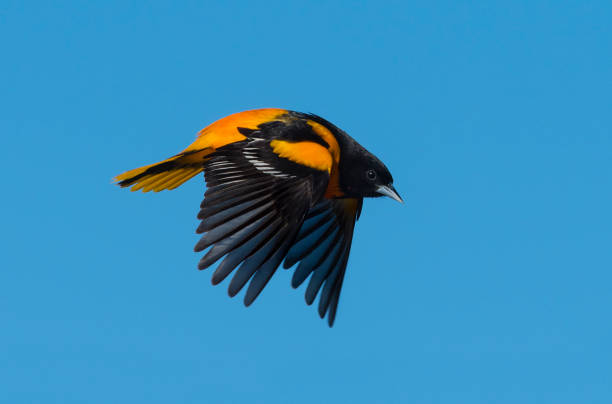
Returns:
(322,249)
(253,209)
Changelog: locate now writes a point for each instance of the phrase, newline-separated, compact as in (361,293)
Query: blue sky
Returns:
(490,284)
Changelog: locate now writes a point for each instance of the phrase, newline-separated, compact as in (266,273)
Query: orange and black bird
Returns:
(280,185)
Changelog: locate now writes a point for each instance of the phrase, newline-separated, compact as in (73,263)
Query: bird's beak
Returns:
(388,190)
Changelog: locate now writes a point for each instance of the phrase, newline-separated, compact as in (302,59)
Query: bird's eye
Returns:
(371,175)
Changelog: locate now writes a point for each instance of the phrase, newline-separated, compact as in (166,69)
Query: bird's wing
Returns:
(322,249)
(256,200)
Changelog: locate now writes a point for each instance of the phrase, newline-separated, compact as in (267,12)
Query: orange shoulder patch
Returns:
(333,187)
(306,153)
(329,138)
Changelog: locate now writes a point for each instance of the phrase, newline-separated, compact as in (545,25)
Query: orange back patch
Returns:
(225,130)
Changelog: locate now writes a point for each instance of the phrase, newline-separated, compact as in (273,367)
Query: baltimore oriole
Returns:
(281,185)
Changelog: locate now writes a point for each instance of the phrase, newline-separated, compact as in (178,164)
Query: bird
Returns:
(281,187)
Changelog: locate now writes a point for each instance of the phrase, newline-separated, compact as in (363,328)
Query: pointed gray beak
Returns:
(388,190)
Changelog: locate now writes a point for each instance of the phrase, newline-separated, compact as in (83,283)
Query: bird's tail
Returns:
(172,172)
(167,174)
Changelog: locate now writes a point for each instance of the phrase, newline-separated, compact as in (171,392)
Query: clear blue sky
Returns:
(492,283)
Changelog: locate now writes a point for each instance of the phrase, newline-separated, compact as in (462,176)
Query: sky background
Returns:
(492,283)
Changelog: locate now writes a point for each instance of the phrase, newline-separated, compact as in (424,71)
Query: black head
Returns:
(363,175)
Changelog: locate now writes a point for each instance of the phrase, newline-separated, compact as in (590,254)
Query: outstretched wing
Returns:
(254,206)
(322,249)
(265,203)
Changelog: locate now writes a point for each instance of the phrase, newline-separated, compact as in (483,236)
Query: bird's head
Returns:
(364,175)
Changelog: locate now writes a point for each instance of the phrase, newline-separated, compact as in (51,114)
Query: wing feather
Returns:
(253,208)
(323,256)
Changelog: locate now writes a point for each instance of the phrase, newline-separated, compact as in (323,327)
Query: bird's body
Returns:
(281,185)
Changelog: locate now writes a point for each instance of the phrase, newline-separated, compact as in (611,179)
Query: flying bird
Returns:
(280,186)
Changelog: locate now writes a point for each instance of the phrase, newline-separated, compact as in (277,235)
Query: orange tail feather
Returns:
(167,174)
